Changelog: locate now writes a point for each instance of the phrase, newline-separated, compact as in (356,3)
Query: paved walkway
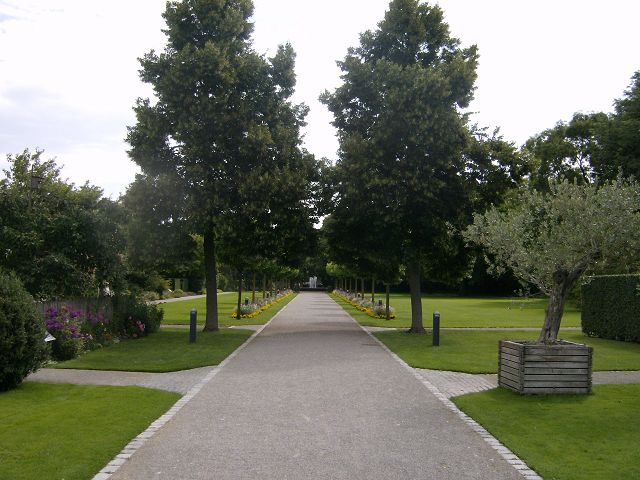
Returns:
(313,396)
(180,382)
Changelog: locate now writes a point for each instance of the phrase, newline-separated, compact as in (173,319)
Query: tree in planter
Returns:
(401,132)
(221,110)
(549,239)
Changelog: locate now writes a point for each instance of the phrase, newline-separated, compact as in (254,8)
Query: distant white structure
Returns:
(313,282)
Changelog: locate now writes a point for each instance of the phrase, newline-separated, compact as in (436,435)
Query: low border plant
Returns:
(250,310)
(375,310)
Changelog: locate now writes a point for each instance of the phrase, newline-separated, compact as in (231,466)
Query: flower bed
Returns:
(377,310)
(76,331)
(250,310)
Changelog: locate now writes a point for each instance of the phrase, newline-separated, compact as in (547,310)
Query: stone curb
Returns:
(142,438)
(511,458)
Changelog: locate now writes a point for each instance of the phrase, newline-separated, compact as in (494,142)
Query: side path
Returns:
(313,396)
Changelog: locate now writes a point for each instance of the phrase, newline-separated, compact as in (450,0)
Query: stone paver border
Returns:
(142,438)
(493,442)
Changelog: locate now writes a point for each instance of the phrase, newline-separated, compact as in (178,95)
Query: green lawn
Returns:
(466,312)
(566,437)
(71,431)
(165,351)
(475,351)
(177,313)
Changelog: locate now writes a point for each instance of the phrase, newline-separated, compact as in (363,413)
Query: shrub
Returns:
(97,328)
(22,346)
(134,318)
(611,306)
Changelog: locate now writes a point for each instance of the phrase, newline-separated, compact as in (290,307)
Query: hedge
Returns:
(611,307)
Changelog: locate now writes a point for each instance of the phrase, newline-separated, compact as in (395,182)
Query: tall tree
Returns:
(222,111)
(569,151)
(623,150)
(401,132)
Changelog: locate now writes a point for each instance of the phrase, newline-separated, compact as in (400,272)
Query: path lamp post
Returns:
(436,328)
(192,325)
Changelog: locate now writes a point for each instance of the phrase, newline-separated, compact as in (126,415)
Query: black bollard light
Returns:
(436,328)
(246,301)
(192,325)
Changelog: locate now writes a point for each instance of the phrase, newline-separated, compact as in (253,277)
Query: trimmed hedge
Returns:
(611,307)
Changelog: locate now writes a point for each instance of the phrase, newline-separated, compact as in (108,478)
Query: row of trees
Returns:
(412,172)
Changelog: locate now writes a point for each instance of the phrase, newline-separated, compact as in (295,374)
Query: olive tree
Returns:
(550,239)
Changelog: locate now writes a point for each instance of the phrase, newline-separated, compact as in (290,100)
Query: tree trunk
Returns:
(211,321)
(253,294)
(264,287)
(553,313)
(373,290)
(238,313)
(413,271)
(362,285)
(387,311)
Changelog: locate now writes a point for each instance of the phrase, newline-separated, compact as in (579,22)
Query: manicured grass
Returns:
(177,313)
(71,431)
(475,351)
(466,312)
(165,351)
(566,437)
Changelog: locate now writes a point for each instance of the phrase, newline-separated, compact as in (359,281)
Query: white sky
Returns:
(69,70)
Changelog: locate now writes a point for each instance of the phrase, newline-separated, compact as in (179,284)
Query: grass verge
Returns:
(71,431)
(466,312)
(165,351)
(476,351)
(565,437)
(177,313)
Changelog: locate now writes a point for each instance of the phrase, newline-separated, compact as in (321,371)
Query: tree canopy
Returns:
(223,129)
(401,133)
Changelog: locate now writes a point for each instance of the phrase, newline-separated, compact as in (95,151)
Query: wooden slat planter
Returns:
(531,368)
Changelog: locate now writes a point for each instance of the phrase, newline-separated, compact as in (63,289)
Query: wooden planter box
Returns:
(531,368)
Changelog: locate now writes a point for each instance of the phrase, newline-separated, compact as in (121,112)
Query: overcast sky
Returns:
(69,69)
